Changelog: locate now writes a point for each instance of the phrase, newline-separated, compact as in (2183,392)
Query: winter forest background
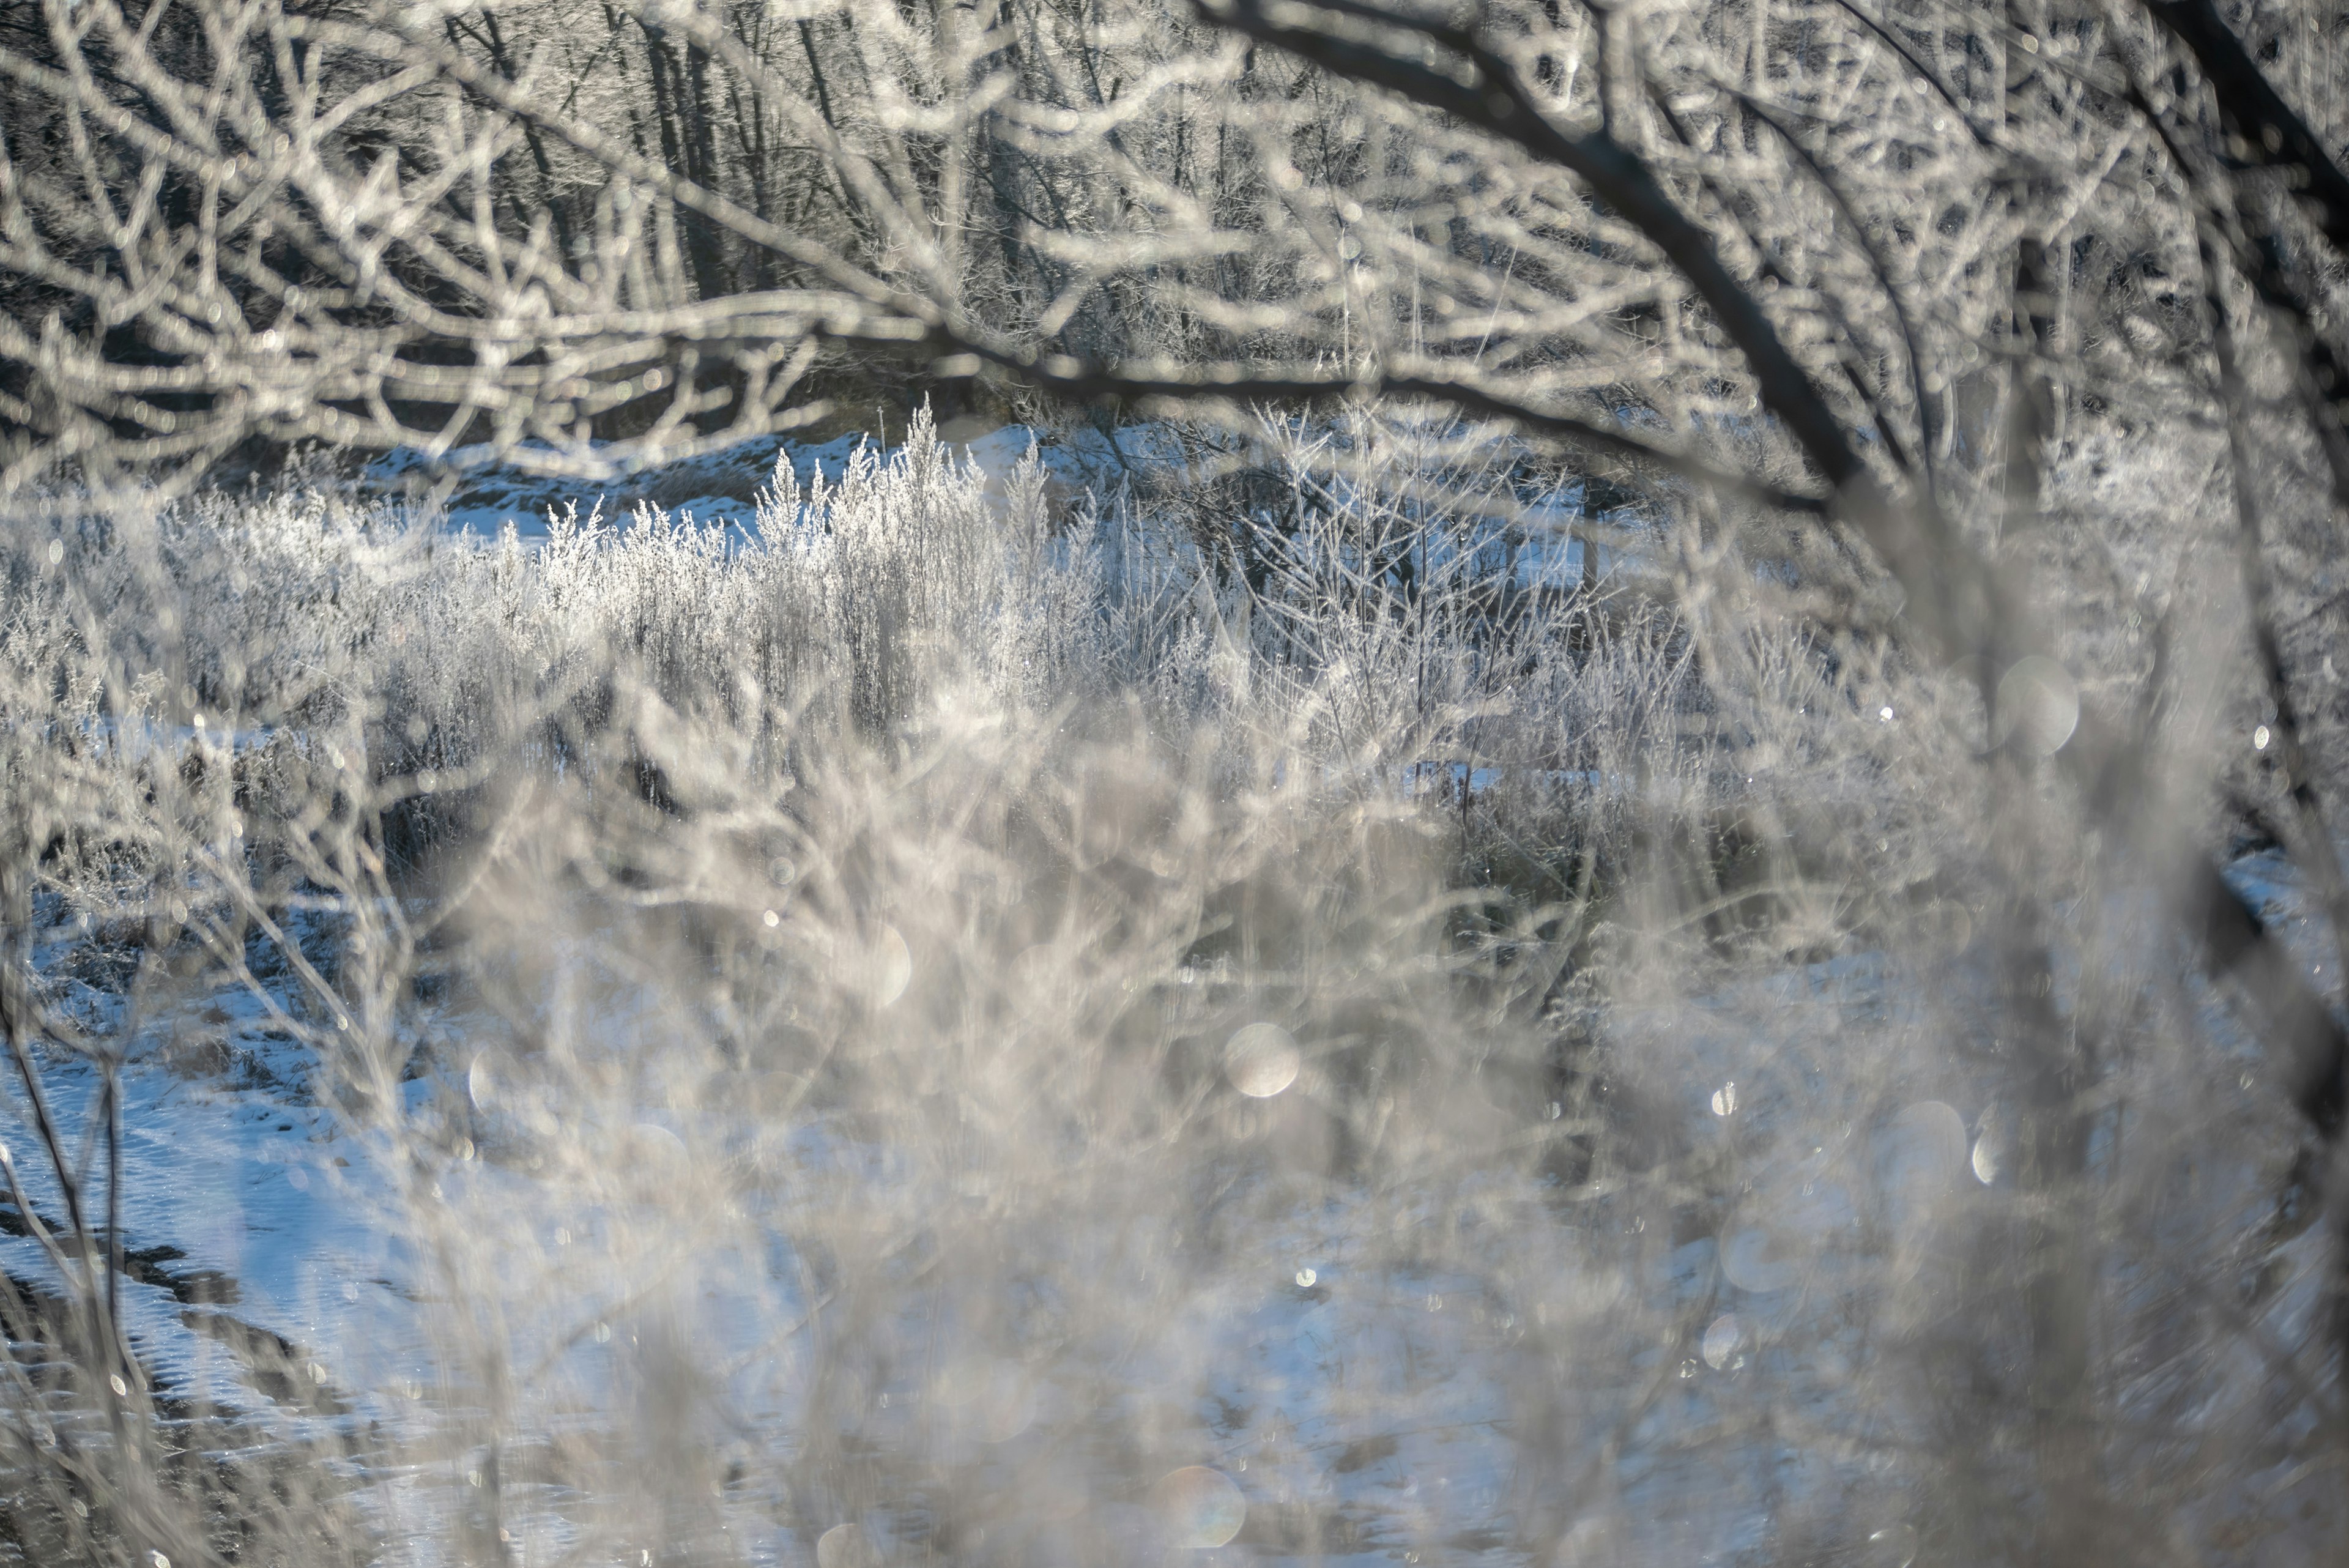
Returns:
(1057,782)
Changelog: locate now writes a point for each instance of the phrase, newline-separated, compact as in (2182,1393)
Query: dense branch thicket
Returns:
(1273,1008)
(377,223)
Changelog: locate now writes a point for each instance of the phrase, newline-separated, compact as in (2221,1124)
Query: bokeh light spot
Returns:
(846,1546)
(1202,1508)
(1894,1546)
(1928,1145)
(892,967)
(2038,706)
(1262,1060)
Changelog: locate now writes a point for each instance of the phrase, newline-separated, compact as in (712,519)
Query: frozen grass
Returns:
(954,1033)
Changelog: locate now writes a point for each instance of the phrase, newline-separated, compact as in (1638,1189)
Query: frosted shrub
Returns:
(774,993)
(957,1025)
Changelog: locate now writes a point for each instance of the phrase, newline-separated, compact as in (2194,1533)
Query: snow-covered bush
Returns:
(959,1027)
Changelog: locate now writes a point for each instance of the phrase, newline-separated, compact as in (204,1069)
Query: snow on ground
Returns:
(256,1219)
(246,1205)
(1361,1408)
(720,489)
